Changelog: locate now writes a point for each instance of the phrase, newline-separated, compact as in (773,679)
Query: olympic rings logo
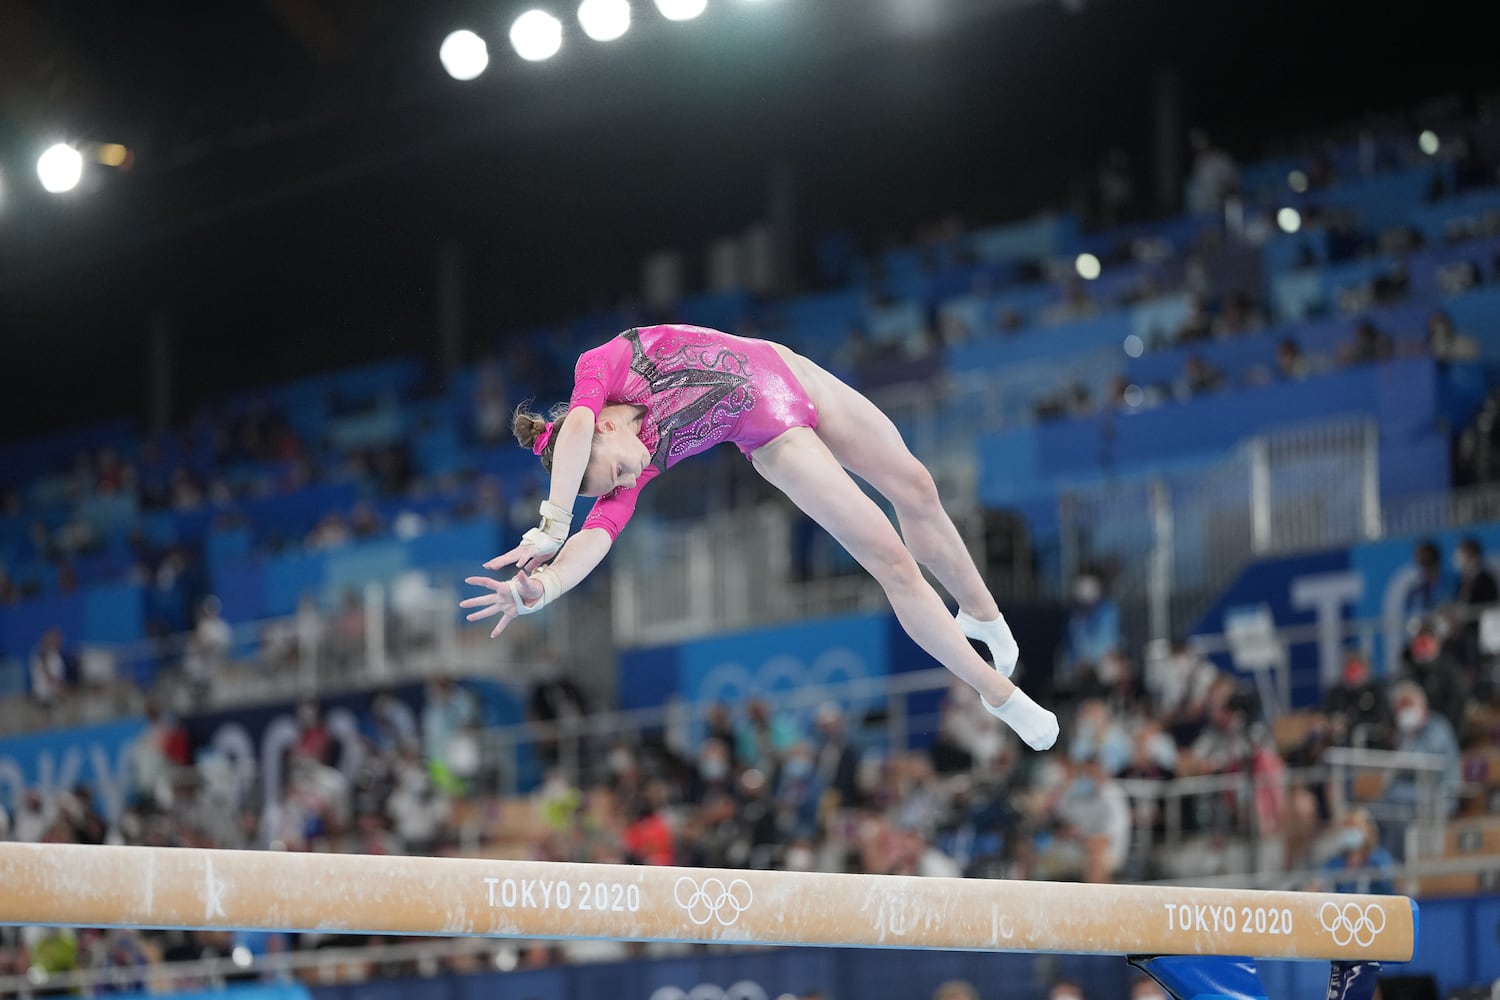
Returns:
(713,900)
(1351,922)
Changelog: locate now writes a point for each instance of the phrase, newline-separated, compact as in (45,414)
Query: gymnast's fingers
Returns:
(514,555)
(510,615)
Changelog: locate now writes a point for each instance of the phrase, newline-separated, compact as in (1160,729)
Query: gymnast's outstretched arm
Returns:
(526,593)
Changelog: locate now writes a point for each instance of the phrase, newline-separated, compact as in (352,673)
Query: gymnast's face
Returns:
(617,459)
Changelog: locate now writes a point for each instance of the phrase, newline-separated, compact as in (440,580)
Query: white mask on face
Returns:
(1351,839)
(1409,718)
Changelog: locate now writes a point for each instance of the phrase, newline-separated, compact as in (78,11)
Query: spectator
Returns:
(1445,343)
(34,817)
(1223,746)
(1367,345)
(419,809)
(1240,315)
(648,839)
(836,766)
(1178,683)
(1093,631)
(160,747)
(1476,588)
(714,773)
(1358,707)
(1419,731)
(208,647)
(1214,178)
(1356,846)
(1426,595)
(49,669)
(1065,989)
(1098,735)
(763,737)
(1092,836)
(448,739)
(1434,666)
(1197,325)
(1291,364)
(1200,378)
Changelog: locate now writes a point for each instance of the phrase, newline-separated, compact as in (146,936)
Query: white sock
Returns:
(995,635)
(1033,723)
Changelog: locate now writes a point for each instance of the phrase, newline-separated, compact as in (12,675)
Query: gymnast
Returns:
(652,396)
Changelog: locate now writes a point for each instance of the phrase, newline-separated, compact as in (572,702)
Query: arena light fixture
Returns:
(1088,266)
(536,35)
(681,10)
(464,55)
(60,168)
(1428,142)
(1297,181)
(1289,219)
(604,20)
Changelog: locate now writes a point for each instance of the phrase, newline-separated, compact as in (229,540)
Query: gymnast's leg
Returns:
(800,464)
(865,442)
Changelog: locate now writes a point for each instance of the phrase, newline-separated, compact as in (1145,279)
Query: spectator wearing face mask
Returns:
(1357,846)
(714,773)
(1418,730)
(1093,631)
(1431,664)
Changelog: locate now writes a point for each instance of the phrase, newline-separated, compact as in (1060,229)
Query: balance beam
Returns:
(151,887)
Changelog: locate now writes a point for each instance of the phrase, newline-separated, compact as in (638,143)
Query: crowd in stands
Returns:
(764,787)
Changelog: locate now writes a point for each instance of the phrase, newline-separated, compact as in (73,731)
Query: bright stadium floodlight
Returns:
(1289,219)
(1428,142)
(464,55)
(604,20)
(60,168)
(1088,266)
(681,10)
(536,35)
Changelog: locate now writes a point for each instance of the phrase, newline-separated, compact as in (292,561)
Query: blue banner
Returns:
(54,762)
(1370,583)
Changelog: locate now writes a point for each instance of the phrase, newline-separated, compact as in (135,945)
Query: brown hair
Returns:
(528,426)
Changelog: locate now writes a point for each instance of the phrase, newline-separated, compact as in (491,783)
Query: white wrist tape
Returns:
(551,591)
(555,521)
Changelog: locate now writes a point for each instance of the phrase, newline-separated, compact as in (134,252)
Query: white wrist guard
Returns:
(551,591)
(549,536)
(555,521)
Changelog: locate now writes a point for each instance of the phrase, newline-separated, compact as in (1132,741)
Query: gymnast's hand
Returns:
(526,556)
(500,601)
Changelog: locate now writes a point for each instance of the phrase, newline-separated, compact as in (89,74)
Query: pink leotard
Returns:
(699,387)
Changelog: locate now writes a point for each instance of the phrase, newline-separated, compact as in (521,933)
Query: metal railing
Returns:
(1224,806)
(384,639)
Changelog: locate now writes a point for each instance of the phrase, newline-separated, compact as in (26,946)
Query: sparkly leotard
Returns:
(699,387)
